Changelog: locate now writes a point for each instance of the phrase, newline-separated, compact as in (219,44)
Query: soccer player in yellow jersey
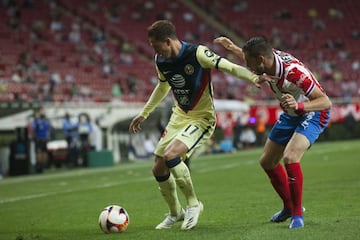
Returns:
(185,69)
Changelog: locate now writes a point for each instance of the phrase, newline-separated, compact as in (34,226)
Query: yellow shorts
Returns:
(192,132)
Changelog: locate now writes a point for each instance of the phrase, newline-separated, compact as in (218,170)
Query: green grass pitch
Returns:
(236,193)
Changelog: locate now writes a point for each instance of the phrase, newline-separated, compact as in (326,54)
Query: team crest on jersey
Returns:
(189,69)
(178,81)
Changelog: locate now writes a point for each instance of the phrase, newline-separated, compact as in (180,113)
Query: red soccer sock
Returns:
(296,185)
(279,181)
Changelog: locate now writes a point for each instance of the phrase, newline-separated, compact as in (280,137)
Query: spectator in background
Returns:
(228,127)
(116,90)
(247,137)
(56,25)
(71,135)
(239,6)
(260,130)
(41,133)
(84,130)
(96,137)
(75,33)
(237,133)
(69,128)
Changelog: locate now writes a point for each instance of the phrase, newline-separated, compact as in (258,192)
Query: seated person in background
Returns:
(247,137)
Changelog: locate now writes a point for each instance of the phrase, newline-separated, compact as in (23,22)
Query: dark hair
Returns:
(257,46)
(161,30)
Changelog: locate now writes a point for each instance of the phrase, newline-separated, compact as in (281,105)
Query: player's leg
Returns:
(308,130)
(270,162)
(40,156)
(183,179)
(167,187)
(187,161)
(189,138)
(180,171)
(292,155)
(166,182)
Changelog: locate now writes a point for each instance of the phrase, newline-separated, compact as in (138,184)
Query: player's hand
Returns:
(229,45)
(226,42)
(265,78)
(135,125)
(288,101)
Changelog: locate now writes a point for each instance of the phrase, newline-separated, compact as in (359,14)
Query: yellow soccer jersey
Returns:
(189,77)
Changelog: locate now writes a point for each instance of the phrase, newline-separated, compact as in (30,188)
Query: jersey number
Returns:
(191,129)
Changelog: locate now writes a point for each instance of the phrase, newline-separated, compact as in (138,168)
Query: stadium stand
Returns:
(79,50)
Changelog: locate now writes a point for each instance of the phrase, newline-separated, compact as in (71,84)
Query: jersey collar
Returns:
(279,66)
(183,46)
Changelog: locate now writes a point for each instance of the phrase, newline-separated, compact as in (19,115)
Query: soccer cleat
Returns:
(297,222)
(192,216)
(169,220)
(282,215)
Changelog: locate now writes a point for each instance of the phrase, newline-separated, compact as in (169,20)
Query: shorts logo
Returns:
(184,135)
(189,69)
(309,116)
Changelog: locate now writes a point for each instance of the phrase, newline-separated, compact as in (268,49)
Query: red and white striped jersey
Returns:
(294,78)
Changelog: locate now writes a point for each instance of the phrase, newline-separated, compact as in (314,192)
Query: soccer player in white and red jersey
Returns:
(306,115)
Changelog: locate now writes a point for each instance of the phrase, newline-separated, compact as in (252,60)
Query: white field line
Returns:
(133,166)
(70,173)
(48,194)
(41,195)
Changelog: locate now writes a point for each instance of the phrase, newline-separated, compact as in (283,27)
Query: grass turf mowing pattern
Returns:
(236,193)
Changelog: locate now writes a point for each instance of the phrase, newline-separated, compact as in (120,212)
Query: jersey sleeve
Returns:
(209,59)
(159,93)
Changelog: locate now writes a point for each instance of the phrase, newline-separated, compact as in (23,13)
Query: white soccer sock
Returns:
(183,180)
(168,191)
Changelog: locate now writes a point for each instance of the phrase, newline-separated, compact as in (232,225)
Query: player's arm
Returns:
(159,93)
(303,80)
(209,59)
(318,101)
(229,45)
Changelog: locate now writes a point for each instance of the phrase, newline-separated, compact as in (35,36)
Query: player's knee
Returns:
(174,150)
(268,163)
(290,158)
(160,168)
(172,154)
(264,164)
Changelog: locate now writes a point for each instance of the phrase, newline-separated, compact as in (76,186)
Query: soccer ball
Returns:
(113,219)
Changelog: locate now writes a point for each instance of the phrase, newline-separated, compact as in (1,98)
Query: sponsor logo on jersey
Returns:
(183,100)
(209,53)
(178,81)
